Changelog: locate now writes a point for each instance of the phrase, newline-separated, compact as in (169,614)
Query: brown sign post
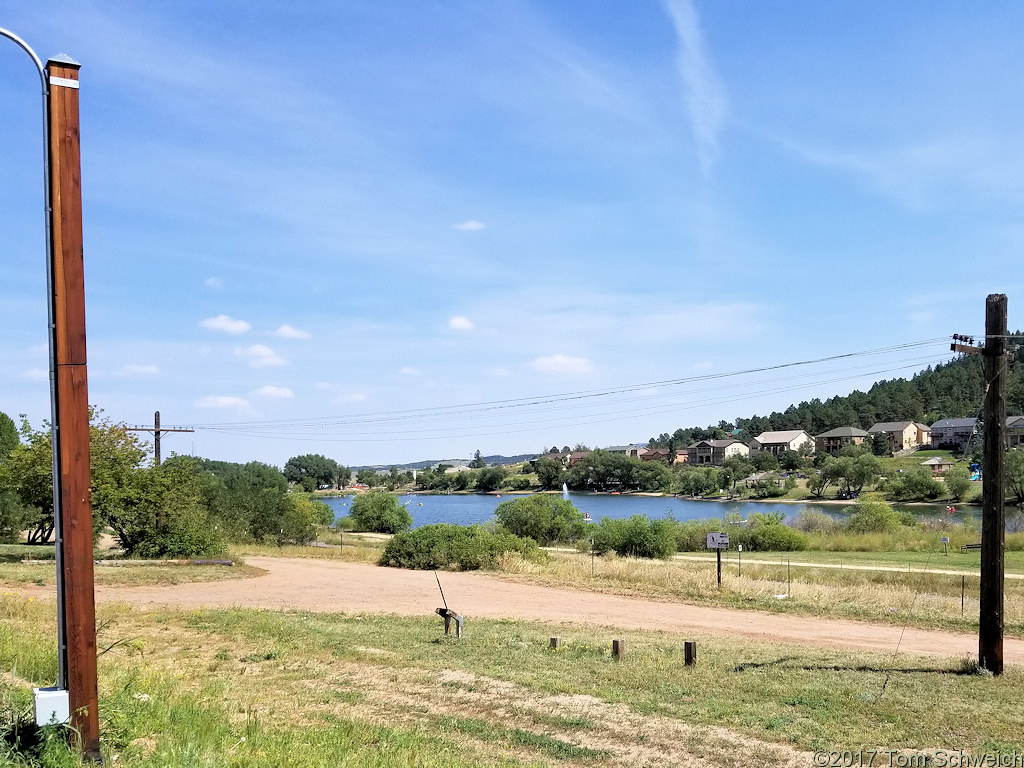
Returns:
(71,460)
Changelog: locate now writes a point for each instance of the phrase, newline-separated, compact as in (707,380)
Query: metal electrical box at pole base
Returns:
(52,706)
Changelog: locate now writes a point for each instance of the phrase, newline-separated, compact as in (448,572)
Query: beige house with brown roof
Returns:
(778,443)
(836,439)
(903,434)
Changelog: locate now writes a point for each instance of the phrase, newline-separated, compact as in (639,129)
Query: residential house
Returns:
(778,443)
(664,455)
(903,434)
(1015,431)
(953,433)
(937,464)
(714,452)
(836,439)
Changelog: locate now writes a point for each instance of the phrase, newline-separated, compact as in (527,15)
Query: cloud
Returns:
(213,282)
(289,332)
(407,371)
(355,397)
(704,90)
(323,386)
(272,391)
(460,323)
(470,226)
(499,371)
(562,364)
(36,374)
(135,370)
(221,401)
(225,324)
(260,356)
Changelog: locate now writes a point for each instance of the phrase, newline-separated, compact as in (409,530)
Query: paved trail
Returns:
(333,586)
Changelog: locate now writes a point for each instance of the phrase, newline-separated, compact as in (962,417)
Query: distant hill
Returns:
(497,459)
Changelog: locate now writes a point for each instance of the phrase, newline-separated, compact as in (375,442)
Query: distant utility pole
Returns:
(157,430)
(993,525)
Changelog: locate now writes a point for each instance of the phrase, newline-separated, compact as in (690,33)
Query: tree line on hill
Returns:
(950,390)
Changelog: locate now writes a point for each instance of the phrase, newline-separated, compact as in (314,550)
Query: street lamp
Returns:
(69,403)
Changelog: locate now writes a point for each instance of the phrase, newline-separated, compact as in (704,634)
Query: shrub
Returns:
(445,546)
(815,521)
(775,537)
(873,515)
(516,483)
(380,512)
(541,517)
(692,535)
(639,536)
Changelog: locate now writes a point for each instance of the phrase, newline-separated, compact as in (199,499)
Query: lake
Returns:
(479,508)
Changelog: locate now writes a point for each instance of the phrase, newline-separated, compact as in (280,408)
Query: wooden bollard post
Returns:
(690,653)
(619,649)
(555,643)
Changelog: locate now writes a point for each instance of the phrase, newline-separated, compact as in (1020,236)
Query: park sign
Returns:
(718,541)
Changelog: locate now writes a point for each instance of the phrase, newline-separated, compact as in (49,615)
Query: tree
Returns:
(14,517)
(764,461)
(873,515)
(958,483)
(549,473)
(27,472)
(880,444)
(489,479)
(311,471)
(1014,473)
(380,512)
(541,517)
(478,461)
(8,435)
(790,461)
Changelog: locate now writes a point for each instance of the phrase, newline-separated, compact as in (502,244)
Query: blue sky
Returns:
(329,224)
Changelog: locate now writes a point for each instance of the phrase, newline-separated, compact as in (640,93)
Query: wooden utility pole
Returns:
(157,431)
(993,526)
(71,457)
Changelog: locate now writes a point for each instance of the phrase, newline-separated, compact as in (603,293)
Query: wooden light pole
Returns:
(993,523)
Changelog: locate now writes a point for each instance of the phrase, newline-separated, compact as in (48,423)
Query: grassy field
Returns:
(255,688)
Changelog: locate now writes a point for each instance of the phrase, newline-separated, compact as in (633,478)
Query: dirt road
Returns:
(333,586)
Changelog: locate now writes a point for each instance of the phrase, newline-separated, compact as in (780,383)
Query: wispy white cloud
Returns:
(269,390)
(290,332)
(213,282)
(562,364)
(323,386)
(705,93)
(226,324)
(407,371)
(460,323)
(260,356)
(136,370)
(221,401)
(470,226)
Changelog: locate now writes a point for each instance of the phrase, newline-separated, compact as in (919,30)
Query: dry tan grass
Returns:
(930,599)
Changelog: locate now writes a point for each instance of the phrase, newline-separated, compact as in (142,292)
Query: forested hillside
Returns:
(946,391)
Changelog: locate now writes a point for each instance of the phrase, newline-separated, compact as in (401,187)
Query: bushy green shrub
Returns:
(445,546)
(873,515)
(516,483)
(692,535)
(380,512)
(637,536)
(774,537)
(815,521)
(541,517)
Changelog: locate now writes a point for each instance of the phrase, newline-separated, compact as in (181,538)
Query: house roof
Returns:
(891,426)
(844,432)
(954,423)
(936,461)
(785,436)
(1015,421)
(716,443)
